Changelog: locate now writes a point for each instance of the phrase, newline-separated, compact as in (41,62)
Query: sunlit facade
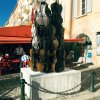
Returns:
(85,20)
(81,18)
(21,14)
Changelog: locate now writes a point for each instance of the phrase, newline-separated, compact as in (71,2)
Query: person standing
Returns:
(19,52)
(25,60)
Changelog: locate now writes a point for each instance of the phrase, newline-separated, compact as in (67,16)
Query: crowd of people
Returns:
(17,53)
(22,56)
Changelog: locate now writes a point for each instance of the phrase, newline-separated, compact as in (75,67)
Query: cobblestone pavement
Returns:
(10,86)
(7,84)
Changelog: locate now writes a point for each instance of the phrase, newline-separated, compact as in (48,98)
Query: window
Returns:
(81,7)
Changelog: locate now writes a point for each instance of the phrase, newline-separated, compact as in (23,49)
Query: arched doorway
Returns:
(87,48)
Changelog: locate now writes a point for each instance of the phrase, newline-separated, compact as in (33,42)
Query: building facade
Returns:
(80,19)
(21,14)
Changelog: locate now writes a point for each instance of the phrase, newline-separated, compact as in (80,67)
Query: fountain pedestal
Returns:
(56,82)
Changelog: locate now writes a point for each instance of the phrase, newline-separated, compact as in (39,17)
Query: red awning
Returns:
(74,40)
(16,34)
(14,40)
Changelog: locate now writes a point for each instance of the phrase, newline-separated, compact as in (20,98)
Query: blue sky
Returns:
(6,8)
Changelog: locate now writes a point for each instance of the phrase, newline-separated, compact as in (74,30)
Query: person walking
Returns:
(25,60)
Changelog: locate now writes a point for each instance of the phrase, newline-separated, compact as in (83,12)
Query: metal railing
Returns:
(90,77)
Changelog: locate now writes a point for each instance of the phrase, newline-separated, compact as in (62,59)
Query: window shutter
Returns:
(89,6)
(74,8)
(83,4)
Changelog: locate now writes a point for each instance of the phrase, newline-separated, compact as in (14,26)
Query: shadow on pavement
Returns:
(6,98)
(86,84)
(8,83)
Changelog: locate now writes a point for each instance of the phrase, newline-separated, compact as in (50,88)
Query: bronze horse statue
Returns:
(46,42)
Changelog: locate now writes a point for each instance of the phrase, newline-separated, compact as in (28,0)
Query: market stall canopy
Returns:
(16,34)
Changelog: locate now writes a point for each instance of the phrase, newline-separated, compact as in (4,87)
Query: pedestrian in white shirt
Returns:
(25,60)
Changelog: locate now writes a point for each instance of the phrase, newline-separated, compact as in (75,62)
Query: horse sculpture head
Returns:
(40,20)
(41,17)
